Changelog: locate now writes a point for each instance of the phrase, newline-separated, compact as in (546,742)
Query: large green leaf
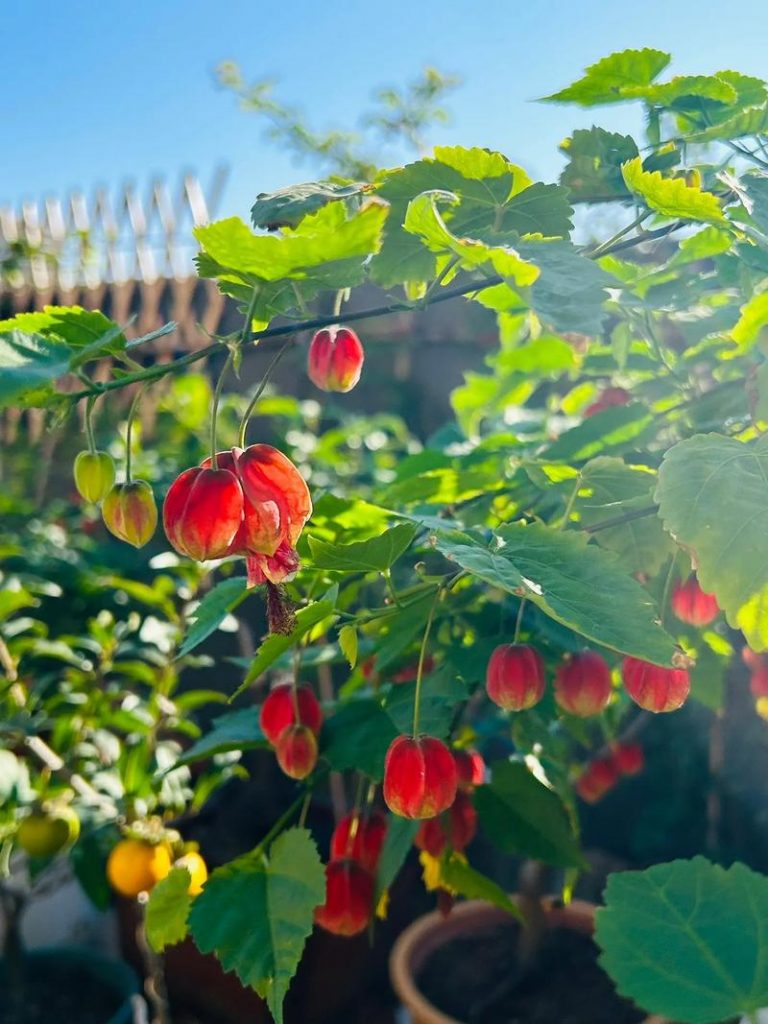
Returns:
(212,610)
(358,737)
(256,913)
(672,196)
(464,880)
(713,499)
(238,730)
(593,172)
(29,364)
(523,816)
(611,489)
(688,940)
(607,80)
(375,555)
(168,910)
(288,206)
(570,292)
(577,584)
(618,428)
(753,317)
(397,844)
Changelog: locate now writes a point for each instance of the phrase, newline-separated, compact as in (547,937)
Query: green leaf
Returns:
(684,91)
(441,691)
(607,80)
(713,499)
(348,643)
(212,610)
(29,364)
(577,584)
(615,429)
(522,816)
(238,730)
(358,737)
(593,173)
(672,196)
(256,913)
(471,884)
(752,121)
(753,317)
(88,330)
(570,292)
(288,206)
(277,644)
(168,909)
(375,555)
(610,488)
(687,940)
(398,842)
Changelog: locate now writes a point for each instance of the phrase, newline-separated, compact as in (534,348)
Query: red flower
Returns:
(583,684)
(653,687)
(629,758)
(130,513)
(335,359)
(279,711)
(420,777)
(454,828)
(690,604)
(596,779)
(296,751)
(360,839)
(470,768)
(609,398)
(202,512)
(348,906)
(515,677)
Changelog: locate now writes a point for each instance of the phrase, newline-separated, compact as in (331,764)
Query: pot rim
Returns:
(432,930)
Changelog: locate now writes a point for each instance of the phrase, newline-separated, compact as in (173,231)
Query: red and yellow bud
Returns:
(597,779)
(296,751)
(335,359)
(470,768)
(515,677)
(130,513)
(202,512)
(420,777)
(655,688)
(583,684)
(94,475)
(690,604)
(282,708)
(454,829)
(348,906)
(628,758)
(360,838)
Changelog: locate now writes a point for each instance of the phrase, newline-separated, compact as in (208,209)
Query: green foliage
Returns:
(256,913)
(237,730)
(687,940)
(614,78)
(375,555)
(464,880)
(672,197)
(212,610)
(168,909)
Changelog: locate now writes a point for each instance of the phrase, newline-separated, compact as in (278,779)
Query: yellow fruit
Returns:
(135,866)
(94,475)
(198,872)
(46,833)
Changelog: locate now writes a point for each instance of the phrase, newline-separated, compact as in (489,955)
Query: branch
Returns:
(627,517)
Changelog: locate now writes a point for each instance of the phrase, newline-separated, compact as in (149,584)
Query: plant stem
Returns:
(601,249)
(89,424)
(391,587)
(519,621)
(154,982)
(260,390)
(667,586)
(422,653)
(129,434)
(215,409)
(569,504)
(627,517)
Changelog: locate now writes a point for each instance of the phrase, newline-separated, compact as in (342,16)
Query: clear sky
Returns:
(100,91)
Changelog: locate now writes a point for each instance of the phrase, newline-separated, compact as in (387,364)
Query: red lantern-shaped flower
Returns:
(608,399)
(296,751)
(470,768)
(690,604)
(583,684)
(596,779)
(653,687)
(283,708)
(360,838)
(515,677)
(348,906)
(202,512)
(420,777)
(628,758)
(454,828)
(335,359)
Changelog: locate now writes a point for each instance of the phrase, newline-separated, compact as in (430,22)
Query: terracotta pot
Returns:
(430,932)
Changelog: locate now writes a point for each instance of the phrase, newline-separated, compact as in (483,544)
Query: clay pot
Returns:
(430,932)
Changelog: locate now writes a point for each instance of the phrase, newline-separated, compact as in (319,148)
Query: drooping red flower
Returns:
(420,777)
(470,768)
(335,359)
(583,684)
(515,677)
(454,828)
(360,838)
(348,906)
(690,604)
(653,687)
(296,751)
(279,710)
(628,758)
(130,513)
(608,399)
(202,512)
(599,776)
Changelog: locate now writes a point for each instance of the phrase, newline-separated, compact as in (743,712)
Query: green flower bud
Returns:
(94,475)
(130,513)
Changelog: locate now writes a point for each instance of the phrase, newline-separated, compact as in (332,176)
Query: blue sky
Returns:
(100,91)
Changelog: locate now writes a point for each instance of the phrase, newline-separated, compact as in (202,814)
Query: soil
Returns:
(59,993)
(478,980)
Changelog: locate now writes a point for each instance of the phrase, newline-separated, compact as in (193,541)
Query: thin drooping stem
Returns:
(519,621)
(129,434)
(667,586)
(215,409)
(154,981)
(89,424)
(420,669)
(569,504)
(603,248)
(260,391)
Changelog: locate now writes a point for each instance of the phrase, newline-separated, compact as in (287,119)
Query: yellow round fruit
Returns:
(135,866)
(44,833)
(198,871)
